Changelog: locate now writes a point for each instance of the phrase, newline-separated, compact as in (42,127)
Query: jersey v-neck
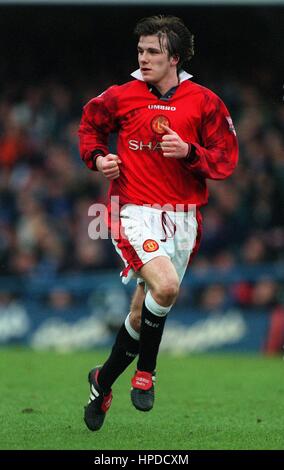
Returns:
(169,94)
(166,96)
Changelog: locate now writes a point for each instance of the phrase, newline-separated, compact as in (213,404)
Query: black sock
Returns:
(124,351)
(152,327)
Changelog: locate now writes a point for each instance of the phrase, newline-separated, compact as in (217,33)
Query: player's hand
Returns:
(172,144)
(109,166)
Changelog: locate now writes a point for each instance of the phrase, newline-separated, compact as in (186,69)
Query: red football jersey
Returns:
(146,177)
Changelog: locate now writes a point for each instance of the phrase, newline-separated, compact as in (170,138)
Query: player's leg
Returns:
(162,279)
(136,307)
(124,351)
(126,346)
(163,282)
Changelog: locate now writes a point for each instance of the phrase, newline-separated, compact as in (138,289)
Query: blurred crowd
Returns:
(46,191)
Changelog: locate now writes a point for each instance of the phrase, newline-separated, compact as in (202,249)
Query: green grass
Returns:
(202,402)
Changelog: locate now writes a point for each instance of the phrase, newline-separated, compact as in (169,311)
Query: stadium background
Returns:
(60,291)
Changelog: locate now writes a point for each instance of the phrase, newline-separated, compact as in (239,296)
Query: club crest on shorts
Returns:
(156,123)
(150,245)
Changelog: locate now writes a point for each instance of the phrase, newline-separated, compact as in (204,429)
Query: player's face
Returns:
(155,64)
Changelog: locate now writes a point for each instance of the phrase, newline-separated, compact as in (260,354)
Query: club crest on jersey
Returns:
(150,245)
(157,122)
(231,125)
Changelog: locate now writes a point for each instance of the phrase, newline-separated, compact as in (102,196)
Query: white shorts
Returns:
(148,232)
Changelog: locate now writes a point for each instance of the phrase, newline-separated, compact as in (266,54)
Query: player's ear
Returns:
(174,59)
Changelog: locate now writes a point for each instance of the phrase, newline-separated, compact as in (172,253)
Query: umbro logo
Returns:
(153,325)
(130,354)
(162,107)
(231,125)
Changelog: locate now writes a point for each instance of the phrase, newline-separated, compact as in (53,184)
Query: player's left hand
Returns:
(172,144)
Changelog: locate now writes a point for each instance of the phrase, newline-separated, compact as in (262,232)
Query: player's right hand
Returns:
(109,166)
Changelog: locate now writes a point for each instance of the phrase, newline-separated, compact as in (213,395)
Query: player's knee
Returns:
(166,292)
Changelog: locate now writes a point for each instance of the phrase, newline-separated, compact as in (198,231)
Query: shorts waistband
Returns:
(147,209)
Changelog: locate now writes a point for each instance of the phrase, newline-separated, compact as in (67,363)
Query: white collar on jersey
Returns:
(183,75)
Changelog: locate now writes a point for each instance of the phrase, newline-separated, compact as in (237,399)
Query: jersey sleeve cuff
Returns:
(95,154)
(191,157)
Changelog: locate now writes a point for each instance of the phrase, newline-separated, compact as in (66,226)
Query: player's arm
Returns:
(217,157)
(97,122)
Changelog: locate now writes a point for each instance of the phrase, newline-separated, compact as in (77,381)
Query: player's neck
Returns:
(167,83)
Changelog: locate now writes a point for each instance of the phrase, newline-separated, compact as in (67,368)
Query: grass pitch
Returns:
(202,402)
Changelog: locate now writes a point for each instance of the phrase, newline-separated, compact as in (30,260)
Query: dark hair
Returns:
(179,38)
